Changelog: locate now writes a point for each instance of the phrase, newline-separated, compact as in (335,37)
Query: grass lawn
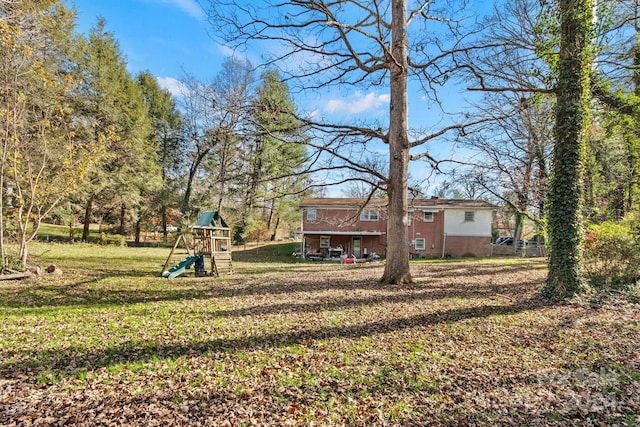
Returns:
(291,343)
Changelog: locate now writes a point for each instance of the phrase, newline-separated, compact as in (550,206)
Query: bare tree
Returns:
(200,118)
(356,43)
(514,155)
(214,115)
(234,86)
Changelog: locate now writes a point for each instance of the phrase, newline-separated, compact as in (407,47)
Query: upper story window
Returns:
(469,216)
(428,216)
(369,215)
(311,214)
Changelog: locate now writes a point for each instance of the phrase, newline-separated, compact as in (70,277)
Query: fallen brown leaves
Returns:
(470,343)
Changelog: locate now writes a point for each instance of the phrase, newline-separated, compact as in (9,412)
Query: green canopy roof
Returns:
(211,219)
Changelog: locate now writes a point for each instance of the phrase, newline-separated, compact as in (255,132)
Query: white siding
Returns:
(455,225)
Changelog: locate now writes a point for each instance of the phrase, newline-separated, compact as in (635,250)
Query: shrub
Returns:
(112,239)
(612,255)
(14,263)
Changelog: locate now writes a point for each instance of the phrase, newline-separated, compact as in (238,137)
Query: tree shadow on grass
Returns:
(426,294)
(446,270)
(88,292)
(69,361)
(42,299)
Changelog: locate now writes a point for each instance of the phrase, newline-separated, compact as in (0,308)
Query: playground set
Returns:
(211,237)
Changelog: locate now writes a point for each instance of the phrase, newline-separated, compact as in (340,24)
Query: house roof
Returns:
(339,202)
(343,233)
(342,202)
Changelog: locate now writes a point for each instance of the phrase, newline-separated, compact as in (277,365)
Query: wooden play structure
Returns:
(211,237)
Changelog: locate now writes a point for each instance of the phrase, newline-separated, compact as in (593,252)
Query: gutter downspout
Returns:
(303,241)
(444,244)
(444,232)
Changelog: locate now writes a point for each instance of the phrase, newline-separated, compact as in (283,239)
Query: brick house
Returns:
(436,227)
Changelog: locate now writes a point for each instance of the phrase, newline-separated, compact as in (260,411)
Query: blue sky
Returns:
(169,38)
(166,37)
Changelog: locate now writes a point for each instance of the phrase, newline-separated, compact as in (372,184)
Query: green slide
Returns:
(180,268)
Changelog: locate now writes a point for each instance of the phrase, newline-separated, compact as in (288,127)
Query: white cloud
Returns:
(225,50)
(356,104)
(191,7)
(174,86)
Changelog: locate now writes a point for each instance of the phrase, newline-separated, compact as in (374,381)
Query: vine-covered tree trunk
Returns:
(566,191)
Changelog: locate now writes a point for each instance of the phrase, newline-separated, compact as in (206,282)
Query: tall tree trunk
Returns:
(222,176)
(252,188)
(163,216)
(3,193)
(88,211)
(565,194)
(3,250)
(542,176)
(517,233)
(23,253)
(521,206)
(275,229)
(123,212)
(397,267)
(272,213)
(193,170)
(138,230)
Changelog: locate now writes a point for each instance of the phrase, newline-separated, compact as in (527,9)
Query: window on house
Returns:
(421,244)
(325,241)
(469,216)
(311,214)
(428,216)
(369,215)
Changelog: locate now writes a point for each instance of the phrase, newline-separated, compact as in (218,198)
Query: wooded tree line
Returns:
(553,134)
(84,141)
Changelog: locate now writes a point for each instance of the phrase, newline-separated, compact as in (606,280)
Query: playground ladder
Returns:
(222,263)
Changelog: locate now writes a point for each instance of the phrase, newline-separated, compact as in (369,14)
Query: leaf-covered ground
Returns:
(470,343)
